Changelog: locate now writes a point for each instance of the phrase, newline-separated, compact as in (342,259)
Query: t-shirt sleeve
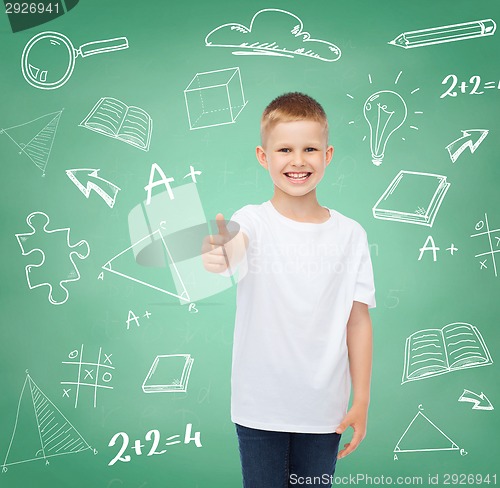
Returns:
(364,290)
(240,220)
(244,218)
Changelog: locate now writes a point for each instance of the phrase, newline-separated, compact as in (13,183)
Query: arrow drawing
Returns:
(105,189)
(456,148)
(480,402)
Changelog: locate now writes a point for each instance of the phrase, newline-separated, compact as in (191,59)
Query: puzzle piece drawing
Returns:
(56,266)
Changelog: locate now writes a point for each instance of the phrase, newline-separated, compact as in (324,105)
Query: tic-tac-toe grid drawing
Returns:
(88,375)
(491,240)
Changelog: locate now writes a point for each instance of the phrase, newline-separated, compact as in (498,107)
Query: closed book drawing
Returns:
(412,197)
(168,373)
(113,118)
(431,352)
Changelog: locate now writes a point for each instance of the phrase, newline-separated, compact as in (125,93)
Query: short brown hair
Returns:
(291,107)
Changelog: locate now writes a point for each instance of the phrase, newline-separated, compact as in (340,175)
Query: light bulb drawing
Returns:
(385,111)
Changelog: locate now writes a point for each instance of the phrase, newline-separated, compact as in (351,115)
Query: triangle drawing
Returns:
(41,430)
(124,264)
(423,435)
(35,138)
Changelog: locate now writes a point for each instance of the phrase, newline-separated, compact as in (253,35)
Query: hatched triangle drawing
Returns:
(35,138)
(124,264)
(423,435)
(40,431)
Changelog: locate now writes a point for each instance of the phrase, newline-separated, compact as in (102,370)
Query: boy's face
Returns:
(295,147)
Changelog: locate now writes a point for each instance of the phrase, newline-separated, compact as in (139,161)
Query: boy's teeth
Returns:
(296,175)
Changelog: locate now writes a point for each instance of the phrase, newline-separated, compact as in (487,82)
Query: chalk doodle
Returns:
(105,189)
(445,33)
(113,118)
(490,238)
(412,197)
(168,373)
(192,173)
(37,62)
(272,32)
(385,111)
(120,264)
(433,352)
(35,138)
(165,181)
(168,236)
(154,437)
(154,183)
(430,245)
(214,98)
(474,86)
(480,401)
(92,375)
(132,317)
(56,253)
(46,435)
(458,146)
(424,435)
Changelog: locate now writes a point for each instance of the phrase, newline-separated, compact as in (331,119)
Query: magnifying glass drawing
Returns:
(49,58)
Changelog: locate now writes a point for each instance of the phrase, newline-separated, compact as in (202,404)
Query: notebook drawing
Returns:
(113,118)
(431,352)
(412,197)
(168,373)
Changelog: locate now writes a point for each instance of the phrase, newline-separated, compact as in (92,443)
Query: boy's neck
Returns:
(304,208)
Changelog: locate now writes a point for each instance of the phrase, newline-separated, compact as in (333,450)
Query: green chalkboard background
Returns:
(166,50)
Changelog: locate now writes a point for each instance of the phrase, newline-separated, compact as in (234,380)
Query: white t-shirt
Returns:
(290,368)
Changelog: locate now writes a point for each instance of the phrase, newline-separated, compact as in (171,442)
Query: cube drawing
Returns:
(214,98)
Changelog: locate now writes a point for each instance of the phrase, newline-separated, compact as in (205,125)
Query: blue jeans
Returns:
(286,459)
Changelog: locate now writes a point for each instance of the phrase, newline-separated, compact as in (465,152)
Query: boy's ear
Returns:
(329,154)
(261,156)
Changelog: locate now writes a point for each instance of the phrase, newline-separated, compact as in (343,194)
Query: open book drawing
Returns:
(431,352)
(412,197)
(113,118)
(168,373)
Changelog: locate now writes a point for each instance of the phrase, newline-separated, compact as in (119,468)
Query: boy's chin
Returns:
(295,192)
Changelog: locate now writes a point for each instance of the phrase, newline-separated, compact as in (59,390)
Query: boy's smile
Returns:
(296,155)
(297,178)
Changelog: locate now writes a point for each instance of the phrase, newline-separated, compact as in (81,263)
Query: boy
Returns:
(303,331)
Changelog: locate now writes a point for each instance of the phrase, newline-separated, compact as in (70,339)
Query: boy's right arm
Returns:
(225,250)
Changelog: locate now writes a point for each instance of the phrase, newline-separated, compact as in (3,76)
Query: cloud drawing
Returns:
(272,32)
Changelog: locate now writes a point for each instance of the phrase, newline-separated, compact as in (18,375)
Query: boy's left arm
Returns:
(359,346)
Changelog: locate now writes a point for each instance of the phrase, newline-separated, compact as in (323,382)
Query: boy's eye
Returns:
(287,149)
